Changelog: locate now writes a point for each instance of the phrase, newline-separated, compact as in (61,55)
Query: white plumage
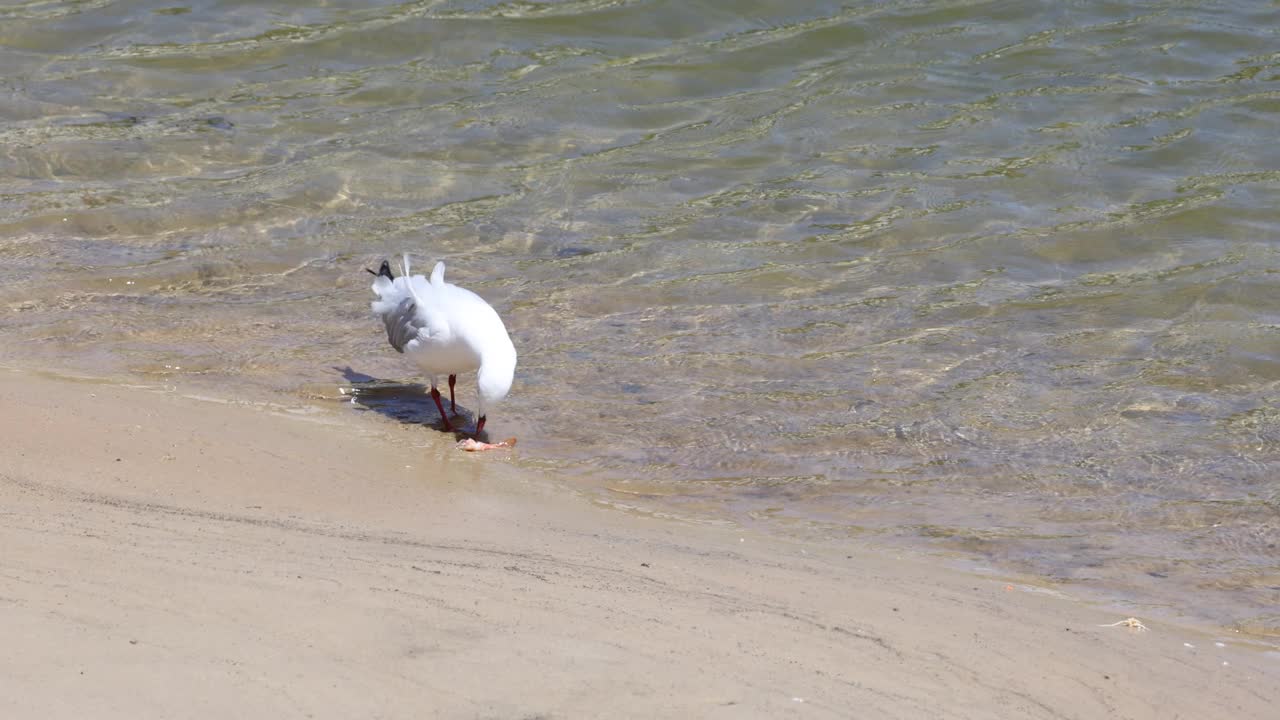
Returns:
(446,330)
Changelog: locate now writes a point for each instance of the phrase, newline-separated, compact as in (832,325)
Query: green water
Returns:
(997,278)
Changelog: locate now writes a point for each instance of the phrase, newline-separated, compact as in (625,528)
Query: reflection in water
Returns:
(994,276)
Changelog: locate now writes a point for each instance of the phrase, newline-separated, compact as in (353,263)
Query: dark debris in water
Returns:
(123,118)
(129,120)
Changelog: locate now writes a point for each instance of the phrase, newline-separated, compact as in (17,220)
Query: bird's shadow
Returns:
(403,401)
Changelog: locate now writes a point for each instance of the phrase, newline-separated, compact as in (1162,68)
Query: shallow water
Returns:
(994,277)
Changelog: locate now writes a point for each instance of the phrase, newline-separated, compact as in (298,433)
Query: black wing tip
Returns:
(384,270)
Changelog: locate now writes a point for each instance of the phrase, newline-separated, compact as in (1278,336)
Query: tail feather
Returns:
(394,291)
(408,276)
(384,270)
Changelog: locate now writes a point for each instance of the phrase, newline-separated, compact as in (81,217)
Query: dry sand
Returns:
(169,557)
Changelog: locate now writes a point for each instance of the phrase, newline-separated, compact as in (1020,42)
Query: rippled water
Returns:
(1000,276)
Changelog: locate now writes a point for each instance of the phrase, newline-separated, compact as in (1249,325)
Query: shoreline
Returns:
(171,555)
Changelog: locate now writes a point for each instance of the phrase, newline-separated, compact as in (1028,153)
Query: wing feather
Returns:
(402,324)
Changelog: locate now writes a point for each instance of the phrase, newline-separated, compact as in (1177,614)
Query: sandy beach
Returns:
(168,556)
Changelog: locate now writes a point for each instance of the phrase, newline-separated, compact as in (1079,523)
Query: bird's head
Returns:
(494,382)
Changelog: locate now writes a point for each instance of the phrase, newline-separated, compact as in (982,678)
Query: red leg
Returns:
(453,407)
(435,395)
(480,426)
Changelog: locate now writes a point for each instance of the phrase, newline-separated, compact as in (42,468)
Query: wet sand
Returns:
(165,556)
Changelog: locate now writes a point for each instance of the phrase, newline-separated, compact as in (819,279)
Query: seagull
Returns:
(445,330)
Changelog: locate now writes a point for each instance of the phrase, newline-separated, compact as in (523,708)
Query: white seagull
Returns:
(446,330)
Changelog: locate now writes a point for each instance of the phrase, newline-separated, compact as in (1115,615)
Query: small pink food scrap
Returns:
(473,445)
